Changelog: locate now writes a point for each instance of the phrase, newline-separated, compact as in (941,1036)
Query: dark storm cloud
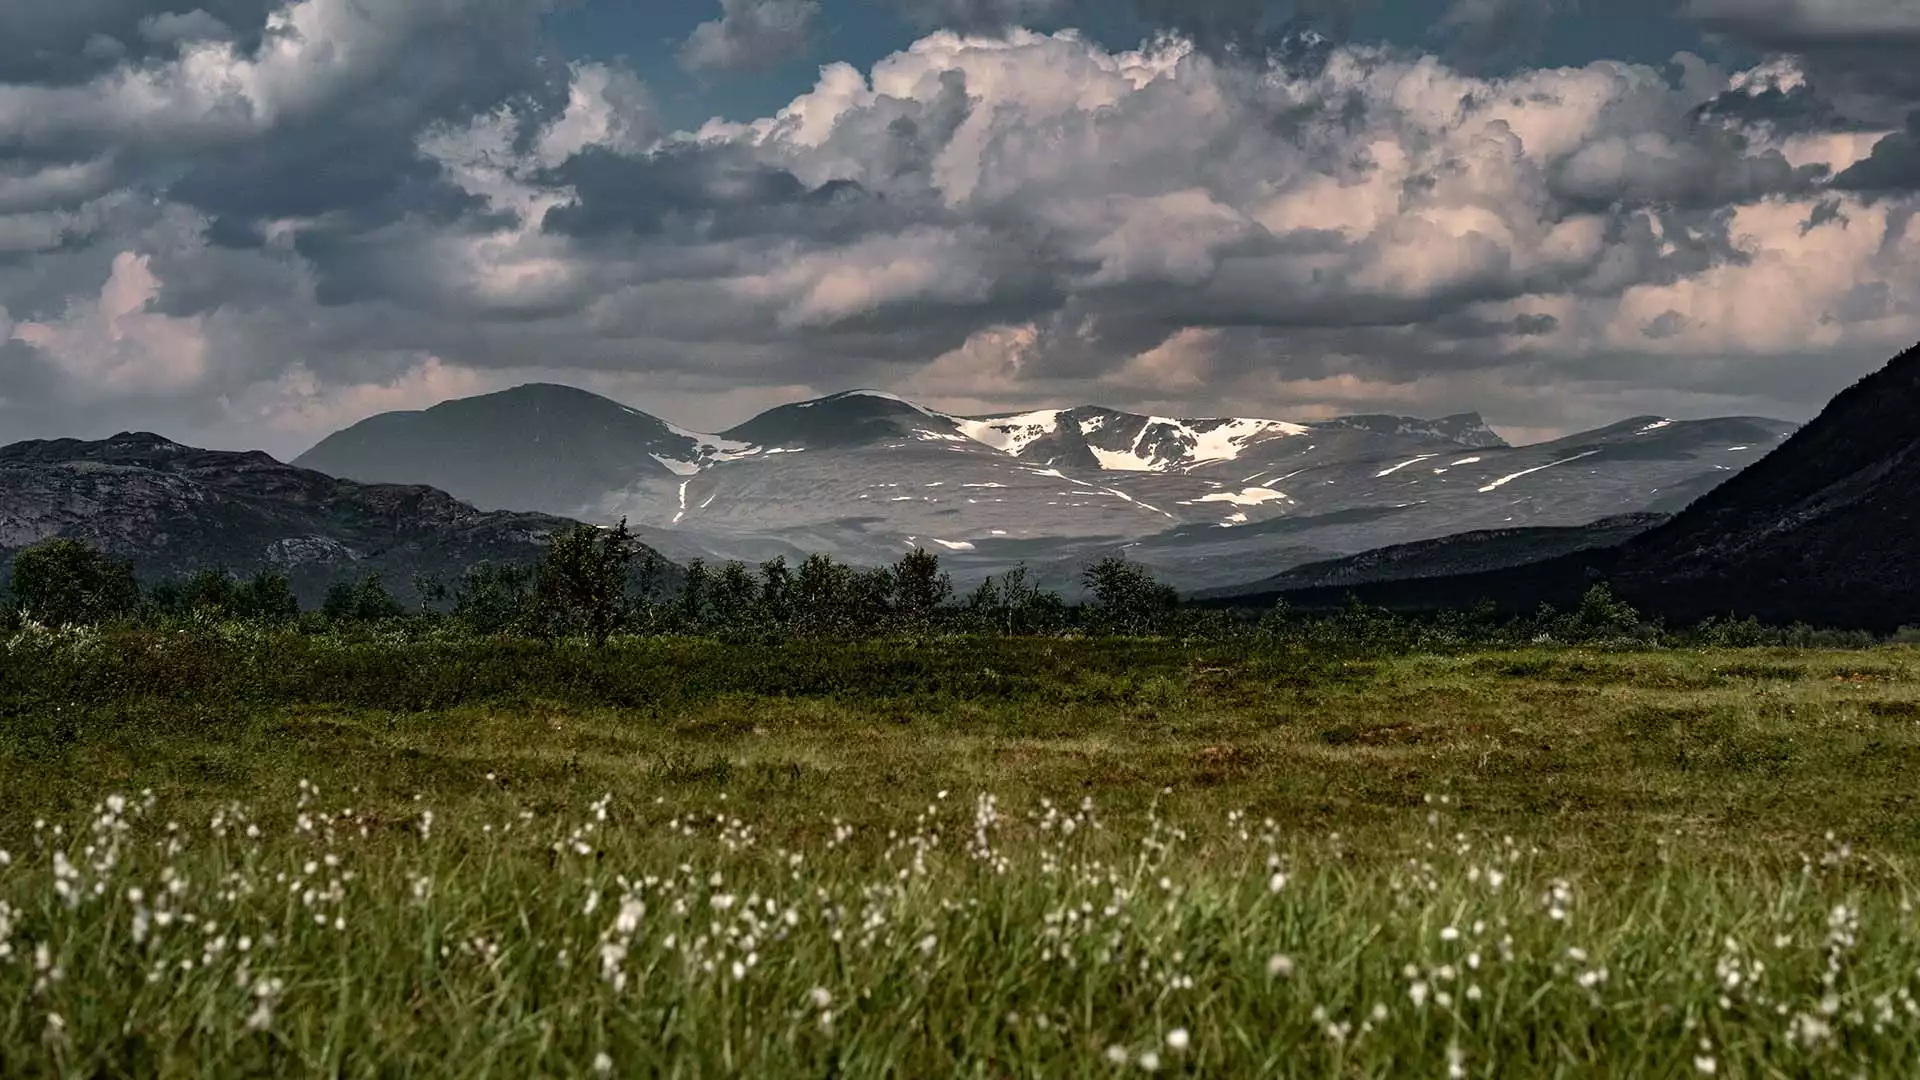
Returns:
(1857,53)
(1709,168)
(1799,109)
(646,195)
(69,41)
(1894,164)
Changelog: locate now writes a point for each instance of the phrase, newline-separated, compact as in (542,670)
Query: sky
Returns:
(248,223)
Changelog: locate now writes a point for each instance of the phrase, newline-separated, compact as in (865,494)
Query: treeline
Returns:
(598,583)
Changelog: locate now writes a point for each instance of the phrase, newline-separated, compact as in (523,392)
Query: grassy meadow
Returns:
(233,851)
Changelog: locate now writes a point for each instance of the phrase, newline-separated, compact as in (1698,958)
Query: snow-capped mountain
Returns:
(865,475)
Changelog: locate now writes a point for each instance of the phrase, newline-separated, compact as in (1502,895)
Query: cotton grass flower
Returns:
(1177,1039)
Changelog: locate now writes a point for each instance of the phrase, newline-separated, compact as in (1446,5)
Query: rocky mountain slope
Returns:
(1207,502)
(1825,529)
(173,509)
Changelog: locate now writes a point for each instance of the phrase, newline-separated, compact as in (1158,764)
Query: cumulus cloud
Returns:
(116,342)
(751,34)
(175,27)
(988,220)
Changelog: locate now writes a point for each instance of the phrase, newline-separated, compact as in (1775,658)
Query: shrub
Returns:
(493,598)
(66,583)
(214,593)
(363,601)
(1126,598)
(581,586)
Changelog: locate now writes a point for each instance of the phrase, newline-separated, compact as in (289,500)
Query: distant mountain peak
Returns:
(1468,430)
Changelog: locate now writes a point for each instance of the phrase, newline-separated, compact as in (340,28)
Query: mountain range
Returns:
(1824,530)
(866,475)
(1821,528)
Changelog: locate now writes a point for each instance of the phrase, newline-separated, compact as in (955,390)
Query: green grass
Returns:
(1543,862)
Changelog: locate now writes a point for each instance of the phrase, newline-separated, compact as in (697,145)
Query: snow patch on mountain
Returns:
(1511,477)
(1225,440)
(1011,434)
(1389,471)
(676,466)
(1253,496)
(1122,460)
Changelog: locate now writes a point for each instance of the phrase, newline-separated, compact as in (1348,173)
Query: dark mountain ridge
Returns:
(172,509)
(1825,529)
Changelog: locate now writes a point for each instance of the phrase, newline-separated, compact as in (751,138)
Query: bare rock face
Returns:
(173,509)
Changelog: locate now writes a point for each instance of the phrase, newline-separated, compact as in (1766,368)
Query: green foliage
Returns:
(493,598)
(581,586)
(1602,616)
(592,585)
(216,594)
(362,601)
(920,589)
(1012,606)
(1127,599)
(67,583)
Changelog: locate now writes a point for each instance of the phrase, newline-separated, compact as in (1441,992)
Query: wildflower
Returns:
(1149,1061)
(265,993)
(1279,966)
(1177,1039)
(820,997)
(1705,1065)
(1277,882)
(602,1064)
(1116,1055)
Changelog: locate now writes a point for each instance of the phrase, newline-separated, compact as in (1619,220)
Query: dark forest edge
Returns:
(597,584)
